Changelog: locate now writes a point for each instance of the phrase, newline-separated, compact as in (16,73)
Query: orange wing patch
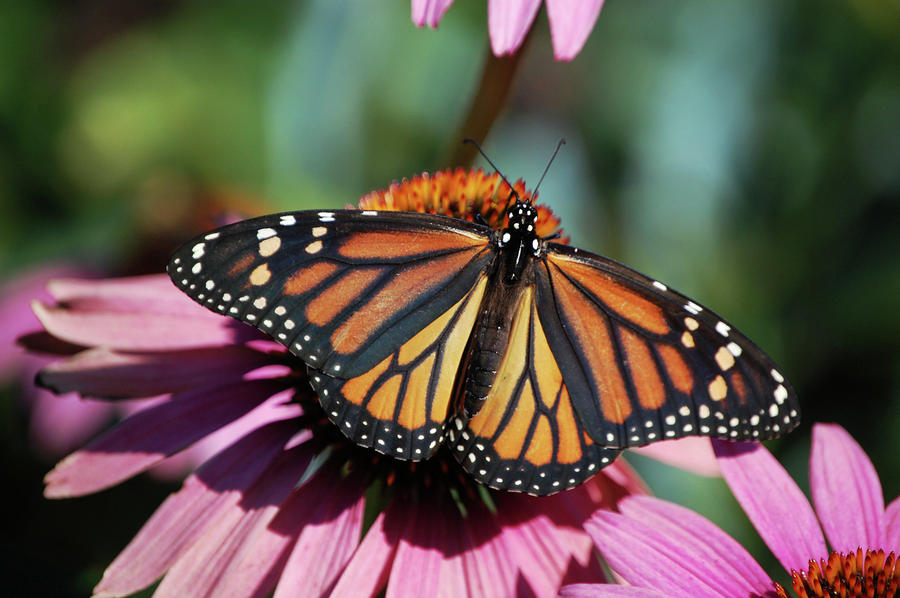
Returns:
(395,296)
(590,327)
(644,374)
(635,307)
(395,244)
(527,436)
(399,406)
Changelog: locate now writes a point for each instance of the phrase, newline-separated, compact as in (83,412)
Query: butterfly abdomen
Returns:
(490,338)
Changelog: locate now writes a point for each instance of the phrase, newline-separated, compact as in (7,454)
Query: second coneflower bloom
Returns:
(664,550)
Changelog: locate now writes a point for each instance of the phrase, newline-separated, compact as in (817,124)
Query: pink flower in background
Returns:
(571,22)
(279,506)
(665,550)
(57,424)
(61,422)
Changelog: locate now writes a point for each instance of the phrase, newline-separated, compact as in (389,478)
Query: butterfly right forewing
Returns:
(645,363)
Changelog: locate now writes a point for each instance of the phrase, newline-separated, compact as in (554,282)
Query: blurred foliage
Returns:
(748,153)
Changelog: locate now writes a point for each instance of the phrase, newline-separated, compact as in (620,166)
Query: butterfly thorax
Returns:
(519,241)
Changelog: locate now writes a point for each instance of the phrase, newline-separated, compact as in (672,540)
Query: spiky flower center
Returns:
(869,574)
(460,194)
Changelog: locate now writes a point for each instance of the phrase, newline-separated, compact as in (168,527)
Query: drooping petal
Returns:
(591,590)
(429,12)
(237,549)
(59,424)
(509,22)
(417,565)
(721,560)
(484,559)
(892,526)
(645,558)
(542,540)
(207,493)
(16,317)
(773,501)
(104,373)
(330,534)
(149,436)
(693,454)
(367,572)
(845,489)
(571,22)
(141,330)
(124,293)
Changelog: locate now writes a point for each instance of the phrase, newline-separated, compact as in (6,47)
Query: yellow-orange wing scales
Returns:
(527,436)
(399,407)
(379,304)
(644,363)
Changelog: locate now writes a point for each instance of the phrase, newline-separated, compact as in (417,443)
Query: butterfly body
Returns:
(536,363)
(516,247)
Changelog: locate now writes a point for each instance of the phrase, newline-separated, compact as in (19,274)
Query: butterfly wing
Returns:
(379,304)
(644,363)
(527,436)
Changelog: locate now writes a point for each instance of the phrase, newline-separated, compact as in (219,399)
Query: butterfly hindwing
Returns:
(645,363)
(527,436)
(399,407)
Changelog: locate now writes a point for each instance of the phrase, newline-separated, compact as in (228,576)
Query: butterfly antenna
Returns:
(561,143)
(497,170)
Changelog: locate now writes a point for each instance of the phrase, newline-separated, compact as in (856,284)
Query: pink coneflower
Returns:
(283,506)
(254,518)
(571,22)
(665,550)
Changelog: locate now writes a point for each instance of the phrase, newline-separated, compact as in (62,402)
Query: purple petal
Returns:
(60,424)
(367,572)
(693,454)
(214,488)
(509,22)
(484,559)
(571,24)
(596,590)
(104,373)
(846,490)
(892,527)
(429,12)
(643,557)
(114,290)
(141,330)
(542,540)
(774,503)
(721,560)
(16,317)
(151,435)
(416,570)
(238,554)
(332,525)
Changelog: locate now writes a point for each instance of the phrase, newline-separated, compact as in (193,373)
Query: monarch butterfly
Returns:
(536,363)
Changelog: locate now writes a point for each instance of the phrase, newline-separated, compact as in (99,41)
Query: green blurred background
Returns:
(746,153)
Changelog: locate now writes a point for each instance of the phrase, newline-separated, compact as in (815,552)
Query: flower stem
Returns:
(493,90)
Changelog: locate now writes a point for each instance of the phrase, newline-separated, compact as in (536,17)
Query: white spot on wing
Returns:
(265,233)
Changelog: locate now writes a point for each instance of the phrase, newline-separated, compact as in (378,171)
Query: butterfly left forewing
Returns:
(367,299)
(645,363)
(526,437)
